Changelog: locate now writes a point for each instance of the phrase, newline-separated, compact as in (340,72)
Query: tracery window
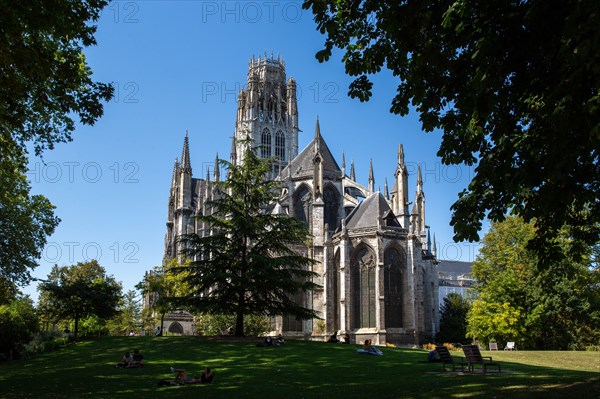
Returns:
(280,145)
(332,204)
(392,276)
(363,288)
(265,143)
(291,323)
(303,204)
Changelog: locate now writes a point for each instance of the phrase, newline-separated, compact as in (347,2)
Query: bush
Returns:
(18,325)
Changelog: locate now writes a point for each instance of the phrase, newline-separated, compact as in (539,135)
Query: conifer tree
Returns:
(253,261)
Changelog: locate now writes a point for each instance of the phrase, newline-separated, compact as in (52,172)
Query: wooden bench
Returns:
(473,356)
(447,358)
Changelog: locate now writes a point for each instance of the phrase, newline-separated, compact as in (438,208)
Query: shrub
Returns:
(18,325)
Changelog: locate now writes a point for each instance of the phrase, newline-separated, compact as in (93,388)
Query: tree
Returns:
(554,307)
(45,80)
(453,319)
(76,292)
(162,285)
(494,321)
(513,86)
(25,223)
(219,324)
(129,317)
(18,324)
(249,264)
(44,83)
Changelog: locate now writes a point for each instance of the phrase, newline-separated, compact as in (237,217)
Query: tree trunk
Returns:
(76,329)
(162,322)
(239,324)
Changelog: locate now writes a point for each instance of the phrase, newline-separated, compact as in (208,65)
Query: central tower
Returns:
(267,113)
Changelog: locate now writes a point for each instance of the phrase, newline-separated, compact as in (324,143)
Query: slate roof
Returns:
(454,267)
(303,164)
(369,211)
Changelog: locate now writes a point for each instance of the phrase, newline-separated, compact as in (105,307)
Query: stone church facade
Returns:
(376,268)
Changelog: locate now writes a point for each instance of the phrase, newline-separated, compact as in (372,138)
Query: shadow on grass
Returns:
(299,369)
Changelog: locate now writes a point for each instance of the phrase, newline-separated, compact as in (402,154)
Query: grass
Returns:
(299,369)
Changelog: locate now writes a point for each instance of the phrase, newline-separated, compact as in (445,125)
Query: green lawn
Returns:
(300,369)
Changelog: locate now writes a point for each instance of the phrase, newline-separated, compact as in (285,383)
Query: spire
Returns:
(233,152)
(317,130)
(343,165)
(352,174)
(400,154)
(175,168)
(428,239)
(317,140)
(186,165)
(207,193)
(386,192)
(371,178)
(217,172)
(434,250)
(419,179)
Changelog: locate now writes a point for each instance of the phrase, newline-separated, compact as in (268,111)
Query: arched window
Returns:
(334,281)
(280,145)
(291,323)
(303,204)
(392,276)
(363,288)
(332,205)
(265,143)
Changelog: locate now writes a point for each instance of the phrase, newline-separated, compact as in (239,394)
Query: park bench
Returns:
(473,356)
(447,358)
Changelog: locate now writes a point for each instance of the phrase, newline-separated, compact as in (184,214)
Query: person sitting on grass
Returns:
(137,359)
(267,342)
(126,361)
(333,339)
(368,347)
(280,341)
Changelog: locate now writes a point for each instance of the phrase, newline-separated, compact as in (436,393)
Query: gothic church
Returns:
(376,267)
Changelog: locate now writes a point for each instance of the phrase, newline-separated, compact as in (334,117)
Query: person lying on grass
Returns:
(183,378)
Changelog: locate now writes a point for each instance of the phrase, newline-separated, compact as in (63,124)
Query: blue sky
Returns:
(177,66)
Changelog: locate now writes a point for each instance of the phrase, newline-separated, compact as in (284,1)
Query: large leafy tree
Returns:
(161,286)
(453,319)
(554,307)
(18,324)
(250,264)
(45,82)
(78,291)
(25,222)
(513,85)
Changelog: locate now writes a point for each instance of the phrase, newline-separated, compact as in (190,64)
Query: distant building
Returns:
(454,276)
(375,264)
